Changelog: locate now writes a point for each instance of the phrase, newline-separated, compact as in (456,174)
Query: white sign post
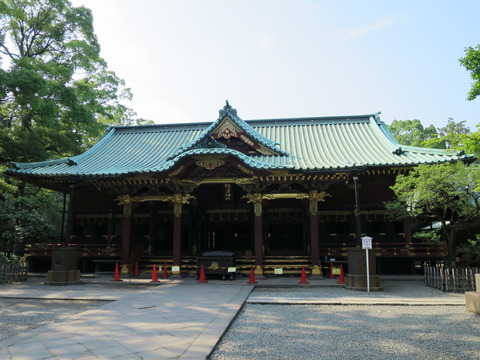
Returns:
(367,244)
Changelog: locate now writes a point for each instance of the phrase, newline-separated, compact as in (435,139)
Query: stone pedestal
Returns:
(472,298)
(356,279)
(64,267)
(359,282)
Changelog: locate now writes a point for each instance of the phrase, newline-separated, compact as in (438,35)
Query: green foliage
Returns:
(56,94)
(412,132)
(6,259)
(21,223)
(396,210)
(471,143)
(443,192)
(428,236)
(451,136)
(471,247)
(471,62)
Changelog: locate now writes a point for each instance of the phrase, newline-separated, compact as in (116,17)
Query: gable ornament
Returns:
(210,163)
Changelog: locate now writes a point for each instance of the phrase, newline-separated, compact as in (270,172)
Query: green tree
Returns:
(412,132)
(444,192)
(471,143)
(56,93)
(56,96)
(21,222)
(471,62)
(451,136)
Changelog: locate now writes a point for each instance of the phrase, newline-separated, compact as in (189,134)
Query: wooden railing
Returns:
(389,249)
(93,250)
(326,249)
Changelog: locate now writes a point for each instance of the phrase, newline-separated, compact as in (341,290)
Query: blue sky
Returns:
(291,58)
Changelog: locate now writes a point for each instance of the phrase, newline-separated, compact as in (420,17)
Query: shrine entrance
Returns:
(229,236)
(285,238)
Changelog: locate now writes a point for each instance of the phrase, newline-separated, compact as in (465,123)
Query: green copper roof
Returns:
(299,144)
(229,114)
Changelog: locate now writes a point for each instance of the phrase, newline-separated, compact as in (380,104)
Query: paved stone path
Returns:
(178,319)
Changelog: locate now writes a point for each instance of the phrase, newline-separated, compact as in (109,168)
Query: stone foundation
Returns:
(63,277)
(472,299)
(359,283)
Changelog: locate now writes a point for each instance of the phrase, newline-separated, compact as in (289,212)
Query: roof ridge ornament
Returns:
(227,109)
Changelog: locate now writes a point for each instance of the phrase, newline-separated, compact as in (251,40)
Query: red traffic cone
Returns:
(341,279)
(154,274)
(202,279)
(165,272)
(136,272)
(252,276)
(331,276)
(303,279)
(116,275)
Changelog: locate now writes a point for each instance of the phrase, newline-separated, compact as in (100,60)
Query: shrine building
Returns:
(275,192)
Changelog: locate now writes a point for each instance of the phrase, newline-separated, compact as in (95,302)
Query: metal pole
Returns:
(368,271)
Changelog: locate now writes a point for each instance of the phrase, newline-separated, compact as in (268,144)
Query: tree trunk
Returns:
(450,235)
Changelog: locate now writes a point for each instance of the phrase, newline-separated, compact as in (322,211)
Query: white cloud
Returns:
(363,30)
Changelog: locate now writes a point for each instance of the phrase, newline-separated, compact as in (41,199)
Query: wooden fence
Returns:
(13,272)
(451,280)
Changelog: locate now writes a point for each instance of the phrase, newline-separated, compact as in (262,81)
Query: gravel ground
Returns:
(307,331)
(19,315)
(400,289)
(352,331)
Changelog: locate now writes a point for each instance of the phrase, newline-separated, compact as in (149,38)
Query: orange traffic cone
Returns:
(341,279)
(252,276)
(202,279)
(165,272)
(116,275)
(154,274)
(331,276)
(303,279)
(136,272)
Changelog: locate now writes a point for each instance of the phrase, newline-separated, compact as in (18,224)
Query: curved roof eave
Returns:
(246,160)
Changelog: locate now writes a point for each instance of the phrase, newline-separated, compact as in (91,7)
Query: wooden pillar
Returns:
(177,234)
(258,238)
(70,215)
(407,230)
(151,227)
(256,199)
(358,219)
(110,227)
(314,198)
(314,244)
(126,232)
